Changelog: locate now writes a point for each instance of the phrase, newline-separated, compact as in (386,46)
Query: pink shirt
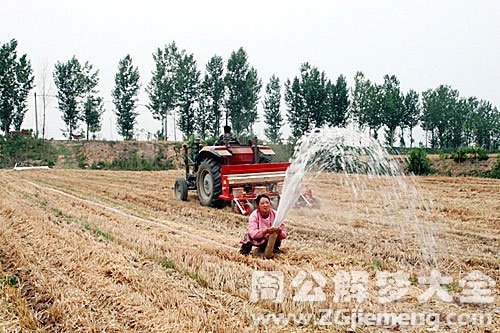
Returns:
(256,224)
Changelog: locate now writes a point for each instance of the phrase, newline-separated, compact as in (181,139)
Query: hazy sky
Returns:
(424,43)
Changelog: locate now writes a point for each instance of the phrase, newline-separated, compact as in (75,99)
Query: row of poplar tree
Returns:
(229,93)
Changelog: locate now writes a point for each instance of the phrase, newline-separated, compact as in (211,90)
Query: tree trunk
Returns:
(411,137)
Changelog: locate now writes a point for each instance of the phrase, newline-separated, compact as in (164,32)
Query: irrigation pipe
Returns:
(152,223)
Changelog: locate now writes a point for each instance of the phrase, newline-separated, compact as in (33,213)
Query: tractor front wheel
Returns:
(181,189)
(209,183)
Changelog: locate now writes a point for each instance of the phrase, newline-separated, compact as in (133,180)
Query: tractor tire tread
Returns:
(215,169)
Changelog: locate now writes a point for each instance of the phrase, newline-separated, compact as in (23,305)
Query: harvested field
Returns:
(111,251)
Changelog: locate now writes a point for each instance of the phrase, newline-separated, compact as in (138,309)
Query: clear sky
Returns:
(424,43)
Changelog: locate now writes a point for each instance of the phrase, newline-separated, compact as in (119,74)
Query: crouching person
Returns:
(260,227)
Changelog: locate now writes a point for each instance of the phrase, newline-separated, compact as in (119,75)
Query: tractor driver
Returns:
(226,137)
(260,227)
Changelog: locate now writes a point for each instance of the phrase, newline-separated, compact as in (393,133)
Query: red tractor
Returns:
(230,173)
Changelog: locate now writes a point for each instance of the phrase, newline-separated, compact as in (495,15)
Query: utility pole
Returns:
(36,119)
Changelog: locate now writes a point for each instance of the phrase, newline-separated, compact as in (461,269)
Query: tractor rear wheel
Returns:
(181,189)
(209,183)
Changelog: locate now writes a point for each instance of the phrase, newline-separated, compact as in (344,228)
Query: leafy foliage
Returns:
(495,171)
(16,81)
(125,96)
(418,162)
(297,117)
(460,155)
(92,112)
(76,85)
(393,109)
(482,154)
(366,103)
(313,101)
(272,113)
(187,85)
(20,148)
(211,100)
(243,86)
(338,102)
(412,112)
(162,89)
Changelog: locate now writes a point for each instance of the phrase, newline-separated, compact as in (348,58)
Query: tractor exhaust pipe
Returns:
(186,159)
(255,151)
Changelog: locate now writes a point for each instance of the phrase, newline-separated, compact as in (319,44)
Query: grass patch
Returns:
(57,212)
(453,287)
(377,265)
(10,280)
(196,276)
(97,231)
(167,263)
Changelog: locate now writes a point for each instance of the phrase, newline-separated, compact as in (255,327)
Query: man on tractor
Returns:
(227,138)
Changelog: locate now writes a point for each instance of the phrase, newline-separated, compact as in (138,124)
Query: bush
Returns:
(482,154)
(495,171)
(26,149)
(460,155)
(418,162)
(443,156)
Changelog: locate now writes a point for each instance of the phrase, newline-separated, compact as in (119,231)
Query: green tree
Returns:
(457,120)
(297,117)
(469,106)
(162,87)
(125,96)
(486,126)
(187,85)
(337,102)
(307,100)
(366,103)
(272,113)
(411,114)
(71,85)
(92,112)
(211,98)
(92,104)
(313,87)
(439,105)
(392,107)
(243,86)
(16,81)
(203,116)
